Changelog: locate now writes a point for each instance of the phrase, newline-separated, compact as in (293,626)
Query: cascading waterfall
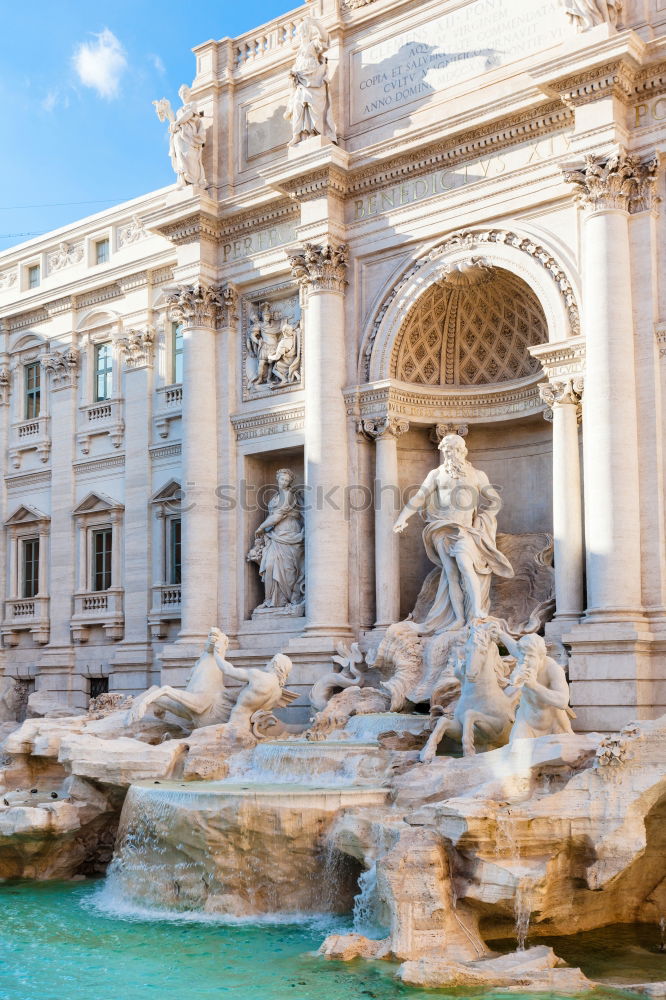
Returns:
(329,763)
(523,906)
(366,904)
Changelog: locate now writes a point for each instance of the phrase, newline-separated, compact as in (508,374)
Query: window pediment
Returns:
(26,514)
(97,503)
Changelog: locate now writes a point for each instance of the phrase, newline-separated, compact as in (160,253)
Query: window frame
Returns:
(104,243)
(174,572)
(177,353)
(105,373)
(106,571)
(29,580)
(32,394)
(31,271)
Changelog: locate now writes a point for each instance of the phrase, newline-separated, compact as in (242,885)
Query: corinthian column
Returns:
(385,433)
(563,399)
(199,309)
(321,274)
(608,190)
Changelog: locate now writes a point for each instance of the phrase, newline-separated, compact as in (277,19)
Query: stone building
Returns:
(472,241)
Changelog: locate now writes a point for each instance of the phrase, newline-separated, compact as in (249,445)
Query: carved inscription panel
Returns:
(428,57)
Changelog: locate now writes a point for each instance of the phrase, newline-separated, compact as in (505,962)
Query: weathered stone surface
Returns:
(42,705)
(119,763)
(535,970)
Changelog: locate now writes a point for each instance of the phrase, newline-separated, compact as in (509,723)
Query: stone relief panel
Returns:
(474,327)
(272,343)
(66,255)
(8,279)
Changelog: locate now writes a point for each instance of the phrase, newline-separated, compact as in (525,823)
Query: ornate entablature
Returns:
(272,343)
(285,420)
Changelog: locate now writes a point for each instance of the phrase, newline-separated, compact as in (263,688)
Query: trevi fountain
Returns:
(350,749)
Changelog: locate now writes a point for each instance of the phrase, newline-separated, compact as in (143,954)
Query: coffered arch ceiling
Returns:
(472,327)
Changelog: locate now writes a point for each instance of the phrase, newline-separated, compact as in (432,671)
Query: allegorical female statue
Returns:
(461,509)
(586,14)
(279,550)
(186,138)
(309,108)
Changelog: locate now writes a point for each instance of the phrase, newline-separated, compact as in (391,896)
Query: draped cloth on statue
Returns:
(477,542)
(281,566)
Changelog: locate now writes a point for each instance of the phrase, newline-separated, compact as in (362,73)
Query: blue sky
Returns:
(77,78)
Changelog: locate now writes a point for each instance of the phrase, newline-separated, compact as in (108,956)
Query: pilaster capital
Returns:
(136,348)
(561,392)
(201,305)
(620,181)
(382,428)
(320,268)
(440,431)
(62,366)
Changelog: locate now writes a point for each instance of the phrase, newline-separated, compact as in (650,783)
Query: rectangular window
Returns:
(102,548)
(177,349)
(103,372)
(34,275)
(102,252)
(30,567)
(32,390)
(174,550)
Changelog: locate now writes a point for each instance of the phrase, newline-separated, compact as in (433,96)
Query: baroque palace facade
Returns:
(473,241)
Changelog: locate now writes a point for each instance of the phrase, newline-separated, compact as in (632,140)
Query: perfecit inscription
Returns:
(258,242)
(439,53)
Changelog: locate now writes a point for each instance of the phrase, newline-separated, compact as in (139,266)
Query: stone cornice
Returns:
(196,228)
(429,405)
(263,215)
(278,421)
(617,78)
(461,148)
(563,360)
(328,179)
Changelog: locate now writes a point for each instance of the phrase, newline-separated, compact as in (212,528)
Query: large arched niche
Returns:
(449,345)
(521,256)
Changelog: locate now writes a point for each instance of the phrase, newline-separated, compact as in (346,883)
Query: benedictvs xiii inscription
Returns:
(440,53)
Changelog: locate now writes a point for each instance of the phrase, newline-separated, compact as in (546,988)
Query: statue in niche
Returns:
(586,14)
(279,551)
(309,108)
(461,509)
(186,138)
(542,683)
(273,350)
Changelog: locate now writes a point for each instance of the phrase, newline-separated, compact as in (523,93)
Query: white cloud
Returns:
(158,64)
(50,100)
(100,64)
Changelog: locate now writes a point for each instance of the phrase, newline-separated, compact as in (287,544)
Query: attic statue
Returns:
(206,700)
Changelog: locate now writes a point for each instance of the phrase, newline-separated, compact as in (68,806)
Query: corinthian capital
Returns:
(320,268)
(619,181)
(563,392)
(383,427)
(62,366)
(137,347)
(202,305)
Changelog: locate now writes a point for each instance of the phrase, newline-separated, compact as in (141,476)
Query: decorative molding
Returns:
(621,181)
(256,425)
(384,427)
(99,465)
(66,255)
(563,360)
(469,240)
(131,232)
(136,349)
(21,321)
(202,305)
(428,405)
(161,276)
(618,78)
(196,228)
(98,295)
(29,480)
(165,451)
(262,217)
(353,4)
(5,384)
(62,366)
(319,268)
(59,306)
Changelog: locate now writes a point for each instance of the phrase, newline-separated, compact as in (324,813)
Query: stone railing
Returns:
(169,407)
(29,435)
(26,614)
(104,608)
(271,39)
(166,608)
(101,418)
